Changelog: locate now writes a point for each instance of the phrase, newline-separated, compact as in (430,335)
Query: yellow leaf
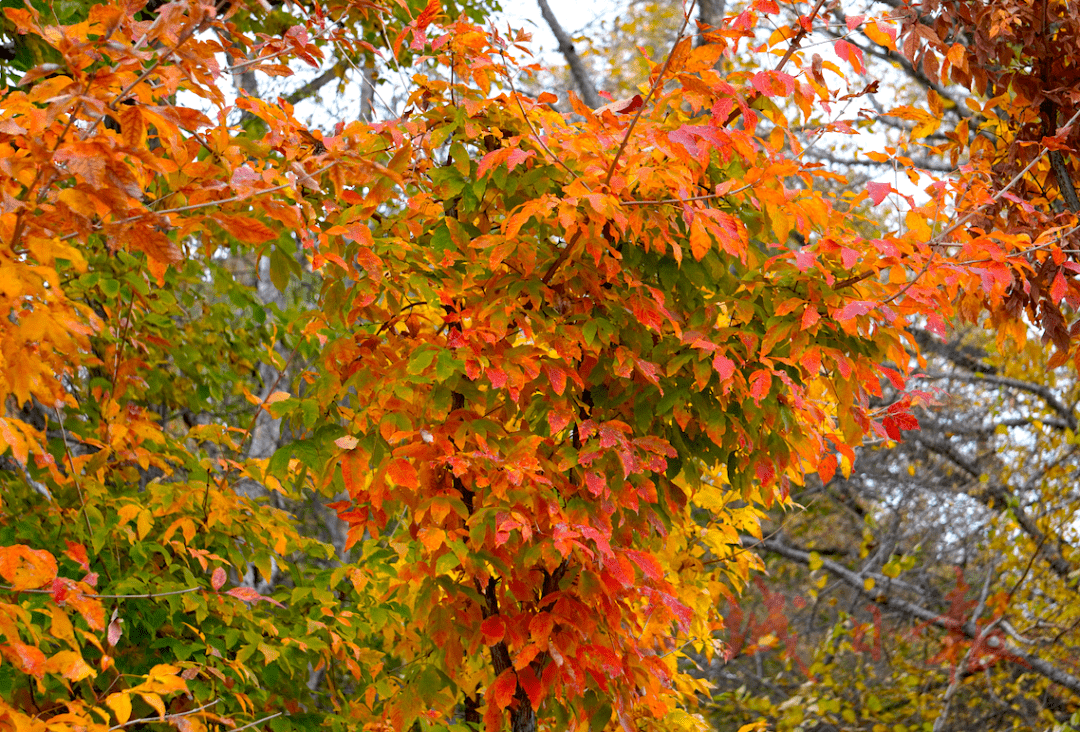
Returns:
(918,226)
(120,703)
(868,584)
(815,561)
(155,701)
(143,524)
(70,665)
(128,512)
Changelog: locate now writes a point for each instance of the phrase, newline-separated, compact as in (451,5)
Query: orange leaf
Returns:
(402,472)
(245,228)
(680,54)
(26,568)
(28,659)
(700,242)
(353,465)
(502,691)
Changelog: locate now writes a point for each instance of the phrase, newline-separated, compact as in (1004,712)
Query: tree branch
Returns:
(585,86)
(969,630)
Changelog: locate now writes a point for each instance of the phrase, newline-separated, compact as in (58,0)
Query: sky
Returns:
(573,16)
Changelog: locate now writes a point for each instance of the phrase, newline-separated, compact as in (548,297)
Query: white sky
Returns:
(573,16)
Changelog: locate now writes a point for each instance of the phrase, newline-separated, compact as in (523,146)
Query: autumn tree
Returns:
(558,364)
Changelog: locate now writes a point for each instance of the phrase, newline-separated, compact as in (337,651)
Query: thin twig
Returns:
(165,718)
(74,472)
(792,48)
(649,96)
(535,134)
(258,721)
(205,204)
(95,596)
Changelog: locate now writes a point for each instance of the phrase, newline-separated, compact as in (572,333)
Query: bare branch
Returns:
(879,594)
(584,83)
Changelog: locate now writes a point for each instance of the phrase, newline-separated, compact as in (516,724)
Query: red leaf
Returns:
(518,156)
(649,371)
(804,260)
(827,468)
(557,377)
(596,483)
(765,471)
(246,594)
(724,366)
(353,467)
(218,578)
(760,382)
(493,629)
(892,428)
(853,309)
(249,595)
(683,613)
(622,106)
(558,419)
(772,83)
(621,570)
(607,659)
(115,631)
(894,376)
(502,691)
(850,53)
(609,435)
(497,377)
(810,317)
(647,564)
(28,659)
(1058,288)
(878,191)
(540,627)
(527,678)
(427,15)
(59,590)
(77,553)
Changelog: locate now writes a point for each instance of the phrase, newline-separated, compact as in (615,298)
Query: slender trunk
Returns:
(710,13)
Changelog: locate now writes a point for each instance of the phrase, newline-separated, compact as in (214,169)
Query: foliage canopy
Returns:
(551,366)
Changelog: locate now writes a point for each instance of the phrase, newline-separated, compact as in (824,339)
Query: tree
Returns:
(979,443)
(557,364)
